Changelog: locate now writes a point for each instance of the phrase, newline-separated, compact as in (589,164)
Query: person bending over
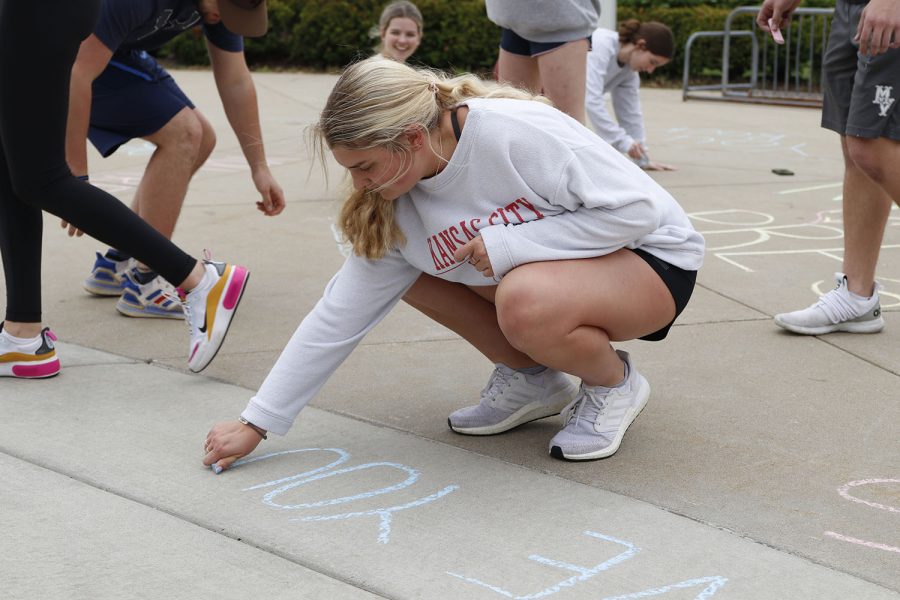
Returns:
(120,92)
(613,67)
(511,223)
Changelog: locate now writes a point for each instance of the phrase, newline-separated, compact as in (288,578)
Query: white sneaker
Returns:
(209,309)
(28,358)
(598,418)
(156,298)
(837,310)
(511,399)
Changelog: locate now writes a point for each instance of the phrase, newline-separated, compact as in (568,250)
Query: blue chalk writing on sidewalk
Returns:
(343,456)
(712,584)
(384,514)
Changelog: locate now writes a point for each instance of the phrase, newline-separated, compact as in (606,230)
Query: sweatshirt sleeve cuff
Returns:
(266,420)
(501,261)
(624,144)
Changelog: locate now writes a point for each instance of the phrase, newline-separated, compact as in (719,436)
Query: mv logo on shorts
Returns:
(883,99)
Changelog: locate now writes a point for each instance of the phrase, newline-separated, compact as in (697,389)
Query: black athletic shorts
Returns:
(513,43)
(860,91)
(680,284)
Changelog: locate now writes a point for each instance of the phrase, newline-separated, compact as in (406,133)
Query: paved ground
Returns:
(766,465)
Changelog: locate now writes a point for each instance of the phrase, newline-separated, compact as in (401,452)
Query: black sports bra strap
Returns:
(454,121)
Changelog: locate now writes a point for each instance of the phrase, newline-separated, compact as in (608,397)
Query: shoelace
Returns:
(576,407)
(181,297)
(495,385)
(838,306)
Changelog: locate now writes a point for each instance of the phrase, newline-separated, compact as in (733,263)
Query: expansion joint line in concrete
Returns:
(191,521)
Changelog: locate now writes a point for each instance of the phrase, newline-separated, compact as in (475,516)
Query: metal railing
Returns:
(790,74)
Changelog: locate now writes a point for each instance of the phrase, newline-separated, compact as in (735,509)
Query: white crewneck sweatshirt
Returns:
(606,75)
(534,183)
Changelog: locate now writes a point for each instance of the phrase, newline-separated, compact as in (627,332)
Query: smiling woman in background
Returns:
(400,30)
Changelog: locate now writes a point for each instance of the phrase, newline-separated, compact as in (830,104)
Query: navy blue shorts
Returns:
(680,284)
(516,44)
(130,103)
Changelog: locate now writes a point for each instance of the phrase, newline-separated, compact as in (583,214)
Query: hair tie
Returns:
(433,88)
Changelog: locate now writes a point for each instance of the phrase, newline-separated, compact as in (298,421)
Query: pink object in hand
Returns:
(776,32)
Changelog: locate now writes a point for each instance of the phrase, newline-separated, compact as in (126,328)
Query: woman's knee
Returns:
(523,313)
(38,189)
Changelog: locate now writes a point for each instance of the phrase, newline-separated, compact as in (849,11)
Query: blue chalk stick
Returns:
(216,468)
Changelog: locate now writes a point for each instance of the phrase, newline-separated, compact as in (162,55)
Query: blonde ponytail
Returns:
(373,104)
(367,222)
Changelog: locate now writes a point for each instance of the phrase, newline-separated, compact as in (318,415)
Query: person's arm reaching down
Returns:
(238,94)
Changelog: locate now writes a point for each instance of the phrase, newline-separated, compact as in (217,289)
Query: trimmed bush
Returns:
(309,34)
(329,34)
(683,21)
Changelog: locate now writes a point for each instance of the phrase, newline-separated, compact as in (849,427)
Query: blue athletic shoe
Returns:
(155,299)
(107,276)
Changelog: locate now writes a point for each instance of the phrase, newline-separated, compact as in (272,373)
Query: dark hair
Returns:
(657,36)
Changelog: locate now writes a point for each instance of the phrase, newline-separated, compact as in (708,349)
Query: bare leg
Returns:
(520,71)
(871,179)
(563,74)
(182,146)
(564,314)
(468,314)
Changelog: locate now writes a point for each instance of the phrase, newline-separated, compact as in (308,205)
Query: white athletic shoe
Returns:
(511,399)
(209,309)
(598,418)
(156,298)
(28,358)
(837,310)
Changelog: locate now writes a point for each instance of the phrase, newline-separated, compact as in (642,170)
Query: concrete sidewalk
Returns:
(766,465)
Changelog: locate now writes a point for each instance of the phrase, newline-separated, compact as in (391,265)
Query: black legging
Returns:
(38,43)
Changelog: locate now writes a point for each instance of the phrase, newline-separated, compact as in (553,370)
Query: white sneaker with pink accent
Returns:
(209,309)
(28,358)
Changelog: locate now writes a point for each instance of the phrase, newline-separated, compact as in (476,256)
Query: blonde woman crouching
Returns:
(505,220)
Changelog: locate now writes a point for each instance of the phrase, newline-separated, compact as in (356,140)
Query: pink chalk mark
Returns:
(844,491)
(235,287)
(859,542)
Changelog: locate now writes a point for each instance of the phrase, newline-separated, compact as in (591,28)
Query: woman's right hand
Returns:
(637,151)
(228,441)
(652,165)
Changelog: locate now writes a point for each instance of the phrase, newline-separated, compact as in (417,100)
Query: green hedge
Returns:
(311,34)
(326,35)
(706,55)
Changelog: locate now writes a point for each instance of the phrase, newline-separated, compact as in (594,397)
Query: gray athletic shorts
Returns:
(860,91)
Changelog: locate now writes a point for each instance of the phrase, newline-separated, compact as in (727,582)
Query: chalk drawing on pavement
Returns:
(736,235)
(384,514)
(710,585)
(745,141)
(844,491)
